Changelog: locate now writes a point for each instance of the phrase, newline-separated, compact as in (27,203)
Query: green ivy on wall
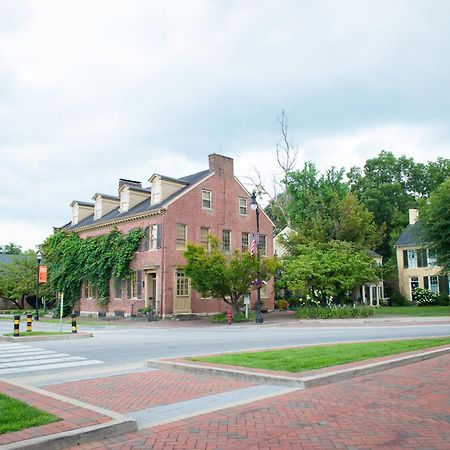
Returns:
(72,260)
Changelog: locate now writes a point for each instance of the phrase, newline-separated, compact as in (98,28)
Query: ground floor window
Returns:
(134,285)
(414,284)
(433,283)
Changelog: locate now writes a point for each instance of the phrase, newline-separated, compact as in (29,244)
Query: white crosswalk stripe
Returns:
(19,358)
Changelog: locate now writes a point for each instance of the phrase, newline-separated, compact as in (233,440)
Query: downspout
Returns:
(163,266)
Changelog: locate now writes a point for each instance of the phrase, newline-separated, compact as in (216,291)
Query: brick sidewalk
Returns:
(136,391)
(72,416)
(406,407)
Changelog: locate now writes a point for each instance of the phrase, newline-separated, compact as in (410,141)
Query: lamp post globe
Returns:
(255,207)
(39,259)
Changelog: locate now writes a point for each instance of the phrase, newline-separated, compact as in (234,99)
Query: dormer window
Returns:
(206,199)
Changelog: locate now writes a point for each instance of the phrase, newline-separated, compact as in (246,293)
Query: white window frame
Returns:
(412,259)
(206,199)
(153,237)
(411,280)
(431,260)
(433,287)
(203,242)
(228,249)
(179,246)
(243,206)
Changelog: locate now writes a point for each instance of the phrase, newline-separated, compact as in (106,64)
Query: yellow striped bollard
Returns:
(16,326)
(74,322)
(29,322)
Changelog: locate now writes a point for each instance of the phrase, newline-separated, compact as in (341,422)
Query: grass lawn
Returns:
(317,357)
(418,311)
(38,333)
(16,415)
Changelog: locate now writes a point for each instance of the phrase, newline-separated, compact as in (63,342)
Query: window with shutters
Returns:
(181,234)
(206,199)
(182,284)
(421,257)
(245,241)
(412,259)
(143,245)
(204,237)
(226,241)
(242,206)
(433,284)
(153,237)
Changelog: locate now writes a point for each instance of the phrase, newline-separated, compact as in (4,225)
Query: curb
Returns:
(118,425)
(298,382)
(56,337)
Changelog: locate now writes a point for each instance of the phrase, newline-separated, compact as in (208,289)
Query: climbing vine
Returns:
(72,260)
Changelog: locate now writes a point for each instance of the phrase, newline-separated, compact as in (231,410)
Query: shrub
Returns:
(237,317)
(443,300)
(399,300)
(334,312)
(146,310)
(425,297)
(282,305)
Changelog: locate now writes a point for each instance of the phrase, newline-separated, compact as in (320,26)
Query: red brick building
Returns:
(172,212)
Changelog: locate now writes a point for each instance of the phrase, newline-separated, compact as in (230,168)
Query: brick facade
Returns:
(159,267)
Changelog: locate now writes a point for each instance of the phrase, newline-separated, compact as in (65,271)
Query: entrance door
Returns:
(182,293)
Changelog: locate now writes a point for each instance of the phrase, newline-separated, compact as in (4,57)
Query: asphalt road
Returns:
(127,347)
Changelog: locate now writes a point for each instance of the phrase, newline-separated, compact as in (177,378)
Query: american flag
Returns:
(253,245)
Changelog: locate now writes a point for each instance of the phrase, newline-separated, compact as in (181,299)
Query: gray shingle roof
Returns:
(412,235)
(141,207)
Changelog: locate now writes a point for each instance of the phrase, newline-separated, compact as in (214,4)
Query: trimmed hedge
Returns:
(237,317)
(344,312)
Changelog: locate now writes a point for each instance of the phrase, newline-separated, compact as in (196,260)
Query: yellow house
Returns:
(416,262)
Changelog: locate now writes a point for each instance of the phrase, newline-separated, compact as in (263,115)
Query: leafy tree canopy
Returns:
(228,277)
(435,217)
(11,249)
(330,269)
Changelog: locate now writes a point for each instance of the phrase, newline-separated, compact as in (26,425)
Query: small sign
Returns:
(42,274)
(246,299)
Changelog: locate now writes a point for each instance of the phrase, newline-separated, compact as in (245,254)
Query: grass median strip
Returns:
(414,311)
(320,356)
(16,415)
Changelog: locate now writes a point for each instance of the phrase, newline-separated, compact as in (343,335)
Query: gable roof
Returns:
(412,235)
(140,208)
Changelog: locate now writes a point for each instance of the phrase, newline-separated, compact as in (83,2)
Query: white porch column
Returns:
(371,295)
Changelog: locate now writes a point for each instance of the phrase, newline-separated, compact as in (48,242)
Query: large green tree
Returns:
(228,277)
(327,270)
(11,249)
(435,217)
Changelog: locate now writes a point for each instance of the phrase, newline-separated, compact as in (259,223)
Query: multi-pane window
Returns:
(206,199)
(135,285)
(262,244)
(412,259)
(433,284)
(226,240)
(242,206)
(89,290)
(204,237)
(245,241)
(182,284)
(181,233)
(143,245)
(431,257)
(153,237)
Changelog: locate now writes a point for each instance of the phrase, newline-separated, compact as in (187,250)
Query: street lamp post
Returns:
(39,259)
(255,207)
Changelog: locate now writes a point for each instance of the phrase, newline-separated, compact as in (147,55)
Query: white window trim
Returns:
(246,206)
(206,191)
(412,261)
(152,238)
(437,283)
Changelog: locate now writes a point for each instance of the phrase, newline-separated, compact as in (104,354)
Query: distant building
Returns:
(173,212)
(416,261)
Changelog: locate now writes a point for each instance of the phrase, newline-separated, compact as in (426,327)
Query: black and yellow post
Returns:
(29,322)
(16,326)
(74,322)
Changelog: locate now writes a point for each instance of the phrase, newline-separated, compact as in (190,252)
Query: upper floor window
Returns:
(242,206)
(410,258)
(181,234)
(204,237)
(431,257)
(206,199)
(226,240)
(153,237)
(244,242)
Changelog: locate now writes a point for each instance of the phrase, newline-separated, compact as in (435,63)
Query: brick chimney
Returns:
(413,216)
(222,166)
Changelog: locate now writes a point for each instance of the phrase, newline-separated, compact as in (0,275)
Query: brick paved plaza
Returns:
(407,407)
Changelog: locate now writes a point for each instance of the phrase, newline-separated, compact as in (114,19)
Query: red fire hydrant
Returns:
(229,316)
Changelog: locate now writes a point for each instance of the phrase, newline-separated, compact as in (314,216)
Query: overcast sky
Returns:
(92,91)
